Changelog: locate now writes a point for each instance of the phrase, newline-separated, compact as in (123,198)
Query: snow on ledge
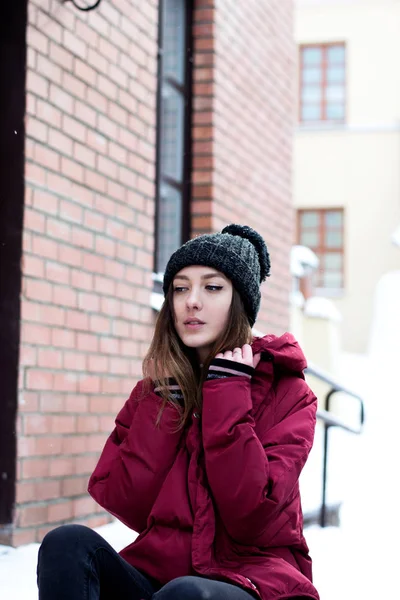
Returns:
(302,257)
(322,308)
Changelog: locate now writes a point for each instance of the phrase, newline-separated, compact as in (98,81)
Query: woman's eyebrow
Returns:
(206,276)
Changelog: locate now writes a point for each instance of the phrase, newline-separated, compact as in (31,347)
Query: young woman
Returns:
(206,454)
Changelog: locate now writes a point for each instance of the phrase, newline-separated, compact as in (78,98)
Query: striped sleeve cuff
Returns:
(173,388)
(221,368)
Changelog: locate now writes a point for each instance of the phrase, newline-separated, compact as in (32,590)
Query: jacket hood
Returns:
(284,350)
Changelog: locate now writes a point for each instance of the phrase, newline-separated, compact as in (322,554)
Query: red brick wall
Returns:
(243,115)
(89,214)
(88,246)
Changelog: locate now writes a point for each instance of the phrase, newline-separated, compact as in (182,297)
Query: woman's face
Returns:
(202,298)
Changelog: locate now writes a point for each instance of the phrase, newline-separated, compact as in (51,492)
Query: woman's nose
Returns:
(193,300)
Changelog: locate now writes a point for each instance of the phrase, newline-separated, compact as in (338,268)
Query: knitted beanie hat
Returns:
(238,251)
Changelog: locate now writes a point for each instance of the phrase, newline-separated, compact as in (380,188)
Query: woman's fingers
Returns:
(242,355)
(247,355)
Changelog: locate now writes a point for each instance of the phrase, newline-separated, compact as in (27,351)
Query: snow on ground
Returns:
(359,560)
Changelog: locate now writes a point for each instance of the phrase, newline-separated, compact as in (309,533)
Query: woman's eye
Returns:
(179,290)
(214,288)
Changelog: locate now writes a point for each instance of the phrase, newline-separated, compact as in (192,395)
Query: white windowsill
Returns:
(330,292)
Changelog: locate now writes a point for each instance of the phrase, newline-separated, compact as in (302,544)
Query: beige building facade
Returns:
(347,150)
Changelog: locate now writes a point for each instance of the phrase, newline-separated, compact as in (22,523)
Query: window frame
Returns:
(322,250)
(323,104)
(186,89)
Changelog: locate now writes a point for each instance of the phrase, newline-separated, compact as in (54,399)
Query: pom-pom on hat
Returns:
(238,251)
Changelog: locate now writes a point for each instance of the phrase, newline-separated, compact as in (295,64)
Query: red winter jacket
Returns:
(221,498)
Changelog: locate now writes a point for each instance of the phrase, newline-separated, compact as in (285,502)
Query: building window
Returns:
(173,129)
(322,83)
(322,230)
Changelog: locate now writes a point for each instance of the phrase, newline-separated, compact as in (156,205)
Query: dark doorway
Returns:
(13,23)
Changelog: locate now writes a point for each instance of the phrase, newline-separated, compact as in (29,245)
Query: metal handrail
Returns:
(331,420)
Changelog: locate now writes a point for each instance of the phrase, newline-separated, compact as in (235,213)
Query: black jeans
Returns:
(76,563)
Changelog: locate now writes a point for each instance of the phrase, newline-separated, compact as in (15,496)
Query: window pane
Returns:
(311,94)
(336,54)
(309,219)
(311,112)
(173,59)
(309,238)
(312,75)
(169,224)
(332,279)
(333,239)
(333,261)
(312,56)
(335,111)
(335,74)
(172,126)
(333,218)
(335,93)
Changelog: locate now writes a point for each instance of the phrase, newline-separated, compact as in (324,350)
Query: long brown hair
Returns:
(169,357)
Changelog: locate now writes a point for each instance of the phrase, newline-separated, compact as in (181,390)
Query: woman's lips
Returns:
(194,326)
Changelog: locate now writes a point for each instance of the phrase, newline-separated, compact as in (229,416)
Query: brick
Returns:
(64,296)
(48,490)
(96,141)
(75,45)
(98,364)
(85,464)
(83,506)
(32,515)
(47,68)
(34,221)
(25,492)
(45,202)
(75,404)
(73,486)
(47,158)
(81,280)
(27,356)
(95,181)
(105,246)
(39,380)
(61,466)
(74,361)
(100,63)
(71,169)
(61,56)
(57,272)
(63,424)
(61,98)
(62,338)
(65,382)
(49,359)
(70,211)
(84,72)
(25,446)
(57,229)
(34,174)
(82,238)
(87,342)
(61,511)
(85,114)
(84,155)
(100,324)
(36,424)
(108,167)
(36,129)
(37,84)
(60,142)
(34,334)
(88,302)
(50,403)
(21,537)
(89,385)
(77,320)
(34,468)
(75,129)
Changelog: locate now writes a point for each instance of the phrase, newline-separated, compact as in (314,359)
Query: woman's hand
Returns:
(242,355)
